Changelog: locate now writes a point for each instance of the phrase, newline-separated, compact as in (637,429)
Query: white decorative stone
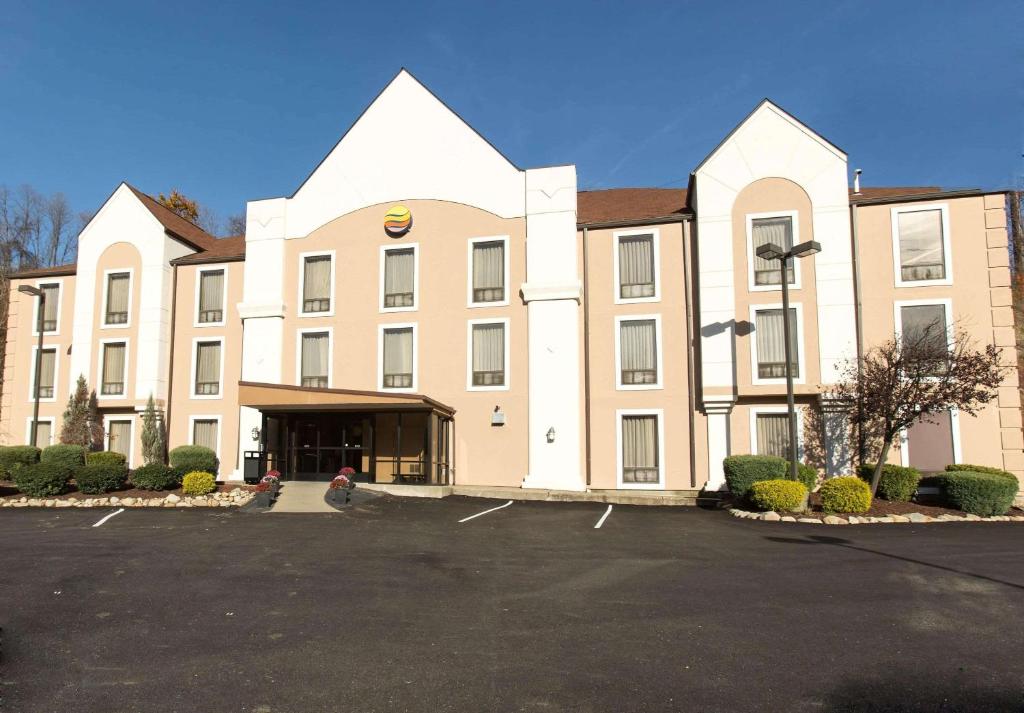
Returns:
(834,520)
(899,518)
(809,520)
(172,498)
(918,517)
(788,518)
(771,516)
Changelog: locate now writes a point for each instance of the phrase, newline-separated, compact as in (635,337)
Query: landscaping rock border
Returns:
(914,517)
(232,498)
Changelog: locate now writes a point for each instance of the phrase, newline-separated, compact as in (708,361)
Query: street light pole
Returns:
(771,251)
(35,291)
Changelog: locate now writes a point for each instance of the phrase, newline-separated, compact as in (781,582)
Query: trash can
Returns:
(252,466)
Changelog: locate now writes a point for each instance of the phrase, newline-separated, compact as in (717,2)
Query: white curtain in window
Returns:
(52,293)
(489,267)
(399,275)
(204,433)
(489,348)
(117,293)
(47,364)
(211,296)
(640,449)
(922,255)
(771,343)
(397,351)
(113,365)
(773,435)
(317,280)
(120,435)
(208,367)
(638,345)
(315,356)
(44,431)
(636,266)
(771,230)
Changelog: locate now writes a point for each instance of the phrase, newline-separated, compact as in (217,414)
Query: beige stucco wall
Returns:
(485,454)
(183,404)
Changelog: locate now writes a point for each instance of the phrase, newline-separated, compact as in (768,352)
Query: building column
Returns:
(718,410)
(835,424)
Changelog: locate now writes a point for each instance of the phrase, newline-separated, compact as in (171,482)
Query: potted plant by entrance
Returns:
(342,485)
(273,479)
(263,495)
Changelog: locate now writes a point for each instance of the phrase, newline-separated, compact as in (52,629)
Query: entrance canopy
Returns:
(283,397)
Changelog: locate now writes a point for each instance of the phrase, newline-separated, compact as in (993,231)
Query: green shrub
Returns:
(845,494)
(14,457)
(983,494)
(190,458)
(42,480)
(897,483)
(155,477)
(101,478)
(778,495)
(106,458)
(70,456)
(743,471)
(198,483)
(805,474)
(967,467)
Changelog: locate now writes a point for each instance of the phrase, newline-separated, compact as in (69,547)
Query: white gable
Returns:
(406,145)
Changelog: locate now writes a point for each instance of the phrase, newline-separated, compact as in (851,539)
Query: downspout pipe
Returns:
(857,308)
(586,354)
(686,228)
(170,362)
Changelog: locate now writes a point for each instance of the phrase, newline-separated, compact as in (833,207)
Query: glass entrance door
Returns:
(322,444)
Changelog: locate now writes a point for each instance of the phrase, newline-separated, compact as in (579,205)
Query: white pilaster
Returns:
(718,410)
(836,436)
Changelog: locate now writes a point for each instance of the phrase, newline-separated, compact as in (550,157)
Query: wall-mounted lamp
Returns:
(551,435)
(255,433)
(498,417)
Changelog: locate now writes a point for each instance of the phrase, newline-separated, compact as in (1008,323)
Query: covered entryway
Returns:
(311,433)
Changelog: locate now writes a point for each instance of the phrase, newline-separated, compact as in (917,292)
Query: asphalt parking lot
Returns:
(395,605)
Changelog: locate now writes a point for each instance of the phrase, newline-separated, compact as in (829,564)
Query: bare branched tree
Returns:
(914,378)
(236,224)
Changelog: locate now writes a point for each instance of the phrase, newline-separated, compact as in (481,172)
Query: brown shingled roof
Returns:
(222,249)
(622,205)
(181,228)
(56,271)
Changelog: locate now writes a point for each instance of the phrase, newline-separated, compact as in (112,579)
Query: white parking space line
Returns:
(467,519)
(107,517)
(603,518)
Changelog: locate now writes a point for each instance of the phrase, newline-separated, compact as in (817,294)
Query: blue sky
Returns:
(235,101)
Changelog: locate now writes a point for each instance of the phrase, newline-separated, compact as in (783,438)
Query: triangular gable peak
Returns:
(406,145)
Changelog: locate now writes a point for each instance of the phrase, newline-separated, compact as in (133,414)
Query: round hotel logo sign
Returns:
(397,221)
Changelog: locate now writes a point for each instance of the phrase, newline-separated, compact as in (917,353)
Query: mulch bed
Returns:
(7,490)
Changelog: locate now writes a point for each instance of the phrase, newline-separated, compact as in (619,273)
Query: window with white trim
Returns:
(922,244)
(769,338)
(43,433)
(777,230)
(488,271)
(204,432)
(638,352)
(637,274)
(397,358)
(119,437)
(316,284)
(924,331)
(640,450)
(489,354)
(51,306)
(399,277)
(772,434)
(207,368)
(118,297)
(115,356)
(315,359)
(47,373)
(211,297)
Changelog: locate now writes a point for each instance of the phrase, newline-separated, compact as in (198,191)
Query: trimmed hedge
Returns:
(967,467)
(194,458)
(155,476)
(14,457)
(743,471)
(897,484)
(778,495)
(106,458)
(198,483)
(805,474)
(845,494)
(41,480)
(101,478)
(983,494)
(65,454)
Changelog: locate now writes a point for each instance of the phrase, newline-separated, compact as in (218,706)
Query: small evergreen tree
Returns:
(75,429)
(153,444)
(96,432)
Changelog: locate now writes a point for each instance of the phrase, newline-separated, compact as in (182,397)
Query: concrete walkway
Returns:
(302,496)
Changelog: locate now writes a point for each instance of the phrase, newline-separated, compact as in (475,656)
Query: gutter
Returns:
(674,218)
(966,193)
(170,360)
(687,228)
(586,354)
(858,314)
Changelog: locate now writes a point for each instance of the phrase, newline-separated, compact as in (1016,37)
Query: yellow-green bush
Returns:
(198,483)
(845,494)
(777,494)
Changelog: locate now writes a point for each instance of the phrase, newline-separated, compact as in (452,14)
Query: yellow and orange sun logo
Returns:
(397,221)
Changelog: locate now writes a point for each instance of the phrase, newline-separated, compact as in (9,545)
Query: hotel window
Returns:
(922,244)
(47,372)
(399,278)
(489,271)
(398,358)
(771,344)
(316,284)
(315,359)
(207,369)
(119,437)
(924,329)
(489,354)
(118,291)
(638,352)
(114,354)
(51,307)
(772,434)
(636,267)
(44,432)
(640,451)
(777,230)
(211,296)
(204,433)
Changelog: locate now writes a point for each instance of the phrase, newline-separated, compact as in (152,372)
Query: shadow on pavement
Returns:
(909,692)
